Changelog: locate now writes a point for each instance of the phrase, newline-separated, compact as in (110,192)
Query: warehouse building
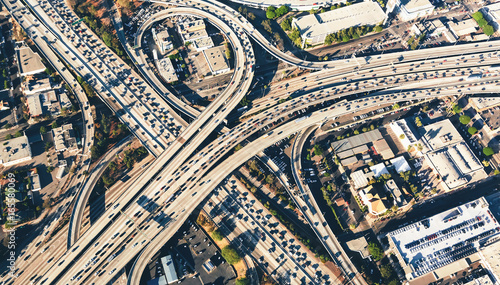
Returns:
(315,27)
(169,269)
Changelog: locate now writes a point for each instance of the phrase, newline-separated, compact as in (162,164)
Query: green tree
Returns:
(18,134)
(402,136)
(378,29)
(456,109)
(282,10)
(230,254)
(375,251)
(6,84)
(8,137)
(464,119)
(472,130)
(217,235)
(54,125)
(477,16)
(418,122)
(488,151)
(486,163)
(4,73)
(317,150)
(395,106)
(286,25)
(271,12)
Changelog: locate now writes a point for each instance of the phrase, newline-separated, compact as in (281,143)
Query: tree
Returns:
(86,173)
(270,12)
(402,136)
(486,163)
(43,130)
(18,134)
(8,137)
(54,125)
(282,10)
(456,109)
(230,255)
(7,126)
(286,25)
(375,251)
(464,119)
(6,84)
(308,157)
(395,106)
(217,235)
(238,147)
(356,132)
(386,271)
(48,145)
(488,151)
(269,179)
(477,16)
(378,29)
(496,172)
(317,150)
(472,131)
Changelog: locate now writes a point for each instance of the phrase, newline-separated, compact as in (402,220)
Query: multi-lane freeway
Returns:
(188,167)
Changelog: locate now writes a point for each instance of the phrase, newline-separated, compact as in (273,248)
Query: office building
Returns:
(191,26)
(162,40)
(315,27)
(203,44)
(37,85)
(481,104)
(166,70)
(15,151)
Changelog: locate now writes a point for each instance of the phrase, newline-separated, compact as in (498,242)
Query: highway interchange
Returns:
(188,167)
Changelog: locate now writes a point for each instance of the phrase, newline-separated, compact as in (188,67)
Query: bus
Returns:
(473,77)
(494,67)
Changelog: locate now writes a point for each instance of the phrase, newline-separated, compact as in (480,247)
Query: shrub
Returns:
(242,281)
(230,255)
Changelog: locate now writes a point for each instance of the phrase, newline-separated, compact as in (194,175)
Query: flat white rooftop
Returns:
(444,238)
(440,134)
(359,14)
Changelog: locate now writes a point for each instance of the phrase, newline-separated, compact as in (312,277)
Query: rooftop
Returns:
(379,169)
(29,61)
(216,59)
(37,85)
(203,42)
(440,134)
(442,239)
(359,14)
(415,5)
(195,35)
(352,142)
(166,69)
(169,269)
(34,105)
(399,199)
(383,148)
(483,103)
(14,150)
(400,164)
(359,245)
(464,27)
(191,26)
(64,138)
